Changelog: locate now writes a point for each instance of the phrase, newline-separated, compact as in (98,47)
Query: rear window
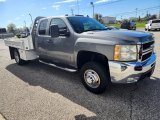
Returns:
(43,27)
(156,21)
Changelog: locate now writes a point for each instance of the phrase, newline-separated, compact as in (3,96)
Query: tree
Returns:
(11,28)
(153,17)
(139,18)
(98,17)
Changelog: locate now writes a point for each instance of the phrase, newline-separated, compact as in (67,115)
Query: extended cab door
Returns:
(40,39)
(60,49)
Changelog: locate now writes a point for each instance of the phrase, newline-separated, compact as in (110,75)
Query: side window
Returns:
(61,24)
(43,27)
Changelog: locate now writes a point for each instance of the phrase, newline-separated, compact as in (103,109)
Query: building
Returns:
(109,20)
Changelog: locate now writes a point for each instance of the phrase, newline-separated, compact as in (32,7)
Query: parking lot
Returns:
(38,91)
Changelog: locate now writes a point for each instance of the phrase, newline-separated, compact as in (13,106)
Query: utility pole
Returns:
(24,26)
(136,12)
(147,15)
(24,23)
(78,6)
(92,4)
(72,12)
(31,18)
(121,17)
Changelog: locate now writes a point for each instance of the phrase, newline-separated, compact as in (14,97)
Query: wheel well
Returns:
(11,50)
(87,56)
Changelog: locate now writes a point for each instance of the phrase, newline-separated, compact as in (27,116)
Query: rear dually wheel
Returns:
(17,58)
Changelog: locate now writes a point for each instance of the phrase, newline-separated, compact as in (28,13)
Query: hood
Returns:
(120,36)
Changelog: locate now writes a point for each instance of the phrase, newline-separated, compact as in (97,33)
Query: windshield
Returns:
(83,24)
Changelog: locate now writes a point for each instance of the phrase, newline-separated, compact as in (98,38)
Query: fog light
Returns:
(123,68)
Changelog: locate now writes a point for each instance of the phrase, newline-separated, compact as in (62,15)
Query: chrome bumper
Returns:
(130,72)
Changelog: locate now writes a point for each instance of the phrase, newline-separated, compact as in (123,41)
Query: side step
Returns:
(66,69)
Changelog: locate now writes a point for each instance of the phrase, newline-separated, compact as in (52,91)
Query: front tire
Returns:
(17,58)
(149,29)
(95,77)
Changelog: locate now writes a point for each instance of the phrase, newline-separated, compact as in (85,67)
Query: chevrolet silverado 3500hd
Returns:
(83,44)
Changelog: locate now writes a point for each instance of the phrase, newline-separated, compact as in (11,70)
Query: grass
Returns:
(138,24)
(116,25)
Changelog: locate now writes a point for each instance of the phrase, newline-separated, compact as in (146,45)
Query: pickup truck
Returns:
(77,43)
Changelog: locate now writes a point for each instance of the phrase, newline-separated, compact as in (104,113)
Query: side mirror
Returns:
(54,31)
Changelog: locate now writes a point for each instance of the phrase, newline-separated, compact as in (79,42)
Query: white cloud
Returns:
(72,5)
(56,7)
(103,1)
(17,18)
(9,21)
(65,1)
(2,0)
(44,8)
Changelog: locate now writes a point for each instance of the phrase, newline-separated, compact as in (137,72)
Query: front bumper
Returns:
(130,72)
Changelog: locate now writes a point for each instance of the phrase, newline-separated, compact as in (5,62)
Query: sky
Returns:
(17,11)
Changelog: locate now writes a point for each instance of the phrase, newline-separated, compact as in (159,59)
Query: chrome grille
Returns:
(146,50)
(146,56)
(147,45)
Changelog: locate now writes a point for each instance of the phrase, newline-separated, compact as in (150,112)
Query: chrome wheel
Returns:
(92,78)
(16,56)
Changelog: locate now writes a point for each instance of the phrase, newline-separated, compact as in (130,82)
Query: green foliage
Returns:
(138,24)
(116,25)
(141,24)
(11,28)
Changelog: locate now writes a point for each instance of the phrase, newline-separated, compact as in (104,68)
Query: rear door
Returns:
(40,40)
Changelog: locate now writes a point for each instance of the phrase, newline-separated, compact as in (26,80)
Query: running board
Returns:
(66,69)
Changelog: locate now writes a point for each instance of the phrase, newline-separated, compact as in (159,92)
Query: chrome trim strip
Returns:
(66,69)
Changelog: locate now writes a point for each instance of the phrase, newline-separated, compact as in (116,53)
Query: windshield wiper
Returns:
(95,29)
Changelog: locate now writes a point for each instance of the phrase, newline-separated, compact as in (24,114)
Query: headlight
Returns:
(125,53)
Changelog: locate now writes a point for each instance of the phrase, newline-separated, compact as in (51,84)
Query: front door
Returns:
(60,49)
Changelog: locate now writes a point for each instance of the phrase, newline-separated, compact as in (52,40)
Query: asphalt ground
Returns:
(40,92)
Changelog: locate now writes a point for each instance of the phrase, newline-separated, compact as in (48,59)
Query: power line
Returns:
(123,13)
(102,4)
(107,3)
(137,10)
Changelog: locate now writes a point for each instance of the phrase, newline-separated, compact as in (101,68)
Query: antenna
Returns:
(72,12)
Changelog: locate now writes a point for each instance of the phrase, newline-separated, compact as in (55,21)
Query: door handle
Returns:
(49,41)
